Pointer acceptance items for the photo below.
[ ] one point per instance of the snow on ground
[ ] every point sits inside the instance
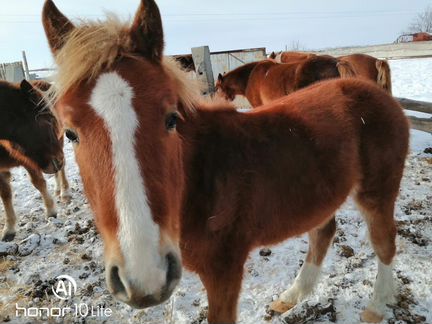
(70, 245)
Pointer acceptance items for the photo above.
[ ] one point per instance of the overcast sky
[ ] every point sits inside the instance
(222, 24)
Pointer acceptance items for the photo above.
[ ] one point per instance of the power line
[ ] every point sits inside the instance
(248, 17)
(242, 13)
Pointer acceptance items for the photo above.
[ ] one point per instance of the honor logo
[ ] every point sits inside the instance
(64, 288)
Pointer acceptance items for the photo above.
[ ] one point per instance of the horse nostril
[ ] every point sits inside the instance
(116, 283)
(174, 268)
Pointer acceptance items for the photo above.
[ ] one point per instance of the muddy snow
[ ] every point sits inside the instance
(70, 245)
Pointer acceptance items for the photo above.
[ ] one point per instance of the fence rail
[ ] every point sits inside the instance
(422, 124)
(415, 105)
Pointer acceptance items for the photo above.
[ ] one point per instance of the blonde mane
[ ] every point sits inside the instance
(93, 46)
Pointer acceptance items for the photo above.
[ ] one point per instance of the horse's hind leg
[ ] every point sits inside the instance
(378, 214)
(319, 241)
(62, 186)
(39, 182)
(8, 233)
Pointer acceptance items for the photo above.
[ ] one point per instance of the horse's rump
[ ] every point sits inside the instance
(371, 68)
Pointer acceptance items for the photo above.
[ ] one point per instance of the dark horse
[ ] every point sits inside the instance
(264, 81)
(163, 171)
(28, 137)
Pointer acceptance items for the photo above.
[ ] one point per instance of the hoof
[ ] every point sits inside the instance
(280, 307)
(66, 198)
(52, 214)
(371, 317)
(7, 237)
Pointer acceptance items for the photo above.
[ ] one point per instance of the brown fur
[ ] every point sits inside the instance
(292, 57)
(228, 154)
(262, 82)
(227, 182)
(359, 65)
(370, 68)
(345, 69)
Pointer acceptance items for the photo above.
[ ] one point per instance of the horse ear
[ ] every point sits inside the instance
(272, 55)
(147, 32)
(26, 87)
(30, 92)
(56, 26)
(220, 77)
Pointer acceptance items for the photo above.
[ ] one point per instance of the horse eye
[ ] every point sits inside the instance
(72, 136)
(171, 121)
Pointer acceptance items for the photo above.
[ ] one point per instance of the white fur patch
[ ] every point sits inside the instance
(139, 236)
(384, 289)
(303, 284)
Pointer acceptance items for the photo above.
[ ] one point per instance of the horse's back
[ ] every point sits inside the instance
(294, 57)
(352, 106)
(337, 92)
(353, 109)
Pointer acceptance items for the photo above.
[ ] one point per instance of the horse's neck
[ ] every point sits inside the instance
(239, 78)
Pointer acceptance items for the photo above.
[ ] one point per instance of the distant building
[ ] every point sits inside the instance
(415, 37)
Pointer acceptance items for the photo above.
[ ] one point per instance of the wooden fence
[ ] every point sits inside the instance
(12, 72)
(419, 123)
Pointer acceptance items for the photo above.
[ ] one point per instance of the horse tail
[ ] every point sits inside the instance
(384, 75)
(345, 69)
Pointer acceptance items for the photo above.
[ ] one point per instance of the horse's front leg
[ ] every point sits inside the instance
(222, 293)
(8, 233)
(222, 279)
(39, 183)
(62, 186)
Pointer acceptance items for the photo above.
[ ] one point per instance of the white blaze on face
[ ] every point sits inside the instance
(138, 234)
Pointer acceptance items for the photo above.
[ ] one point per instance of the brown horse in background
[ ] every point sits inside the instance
(62, 184)
(363, 65)
(263, 81)
(370, 68)
(28, 138)
(290, 57)
(162, 170)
